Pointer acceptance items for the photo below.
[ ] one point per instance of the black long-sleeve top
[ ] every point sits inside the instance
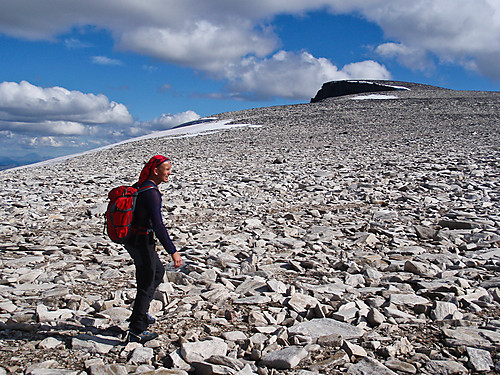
(147, 215)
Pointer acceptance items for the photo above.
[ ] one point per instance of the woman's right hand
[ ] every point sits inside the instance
(177, 259)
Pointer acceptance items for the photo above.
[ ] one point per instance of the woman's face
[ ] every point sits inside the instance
(163, 171)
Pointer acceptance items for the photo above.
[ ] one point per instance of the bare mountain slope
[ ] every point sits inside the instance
(345, 236)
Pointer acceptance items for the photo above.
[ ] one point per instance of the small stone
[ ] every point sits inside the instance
(102, 369)
(495, 293)
(233, 363)
(353, 349)
(44, 315)
(300, 303)
(407, 299)
(178, 362)
(375, 317)
(479, 359)
(419, 268)
(445, 310)
(8, 306)
(277, 286)
(397, 365)
(201, 350)
(253, 300)
(49, 367)
(50, 343)
(206, 368)
(398, 314)
(141, 355)
(425, 233)
(257, 318)
(466, 336)
(94, 344)
(286, 358)
(234, 336)
(456, 224)
(316, 328)
(331, 340)
(346, 315)
(369, 366)
(400, 347)
(247, 370)
(440, 367)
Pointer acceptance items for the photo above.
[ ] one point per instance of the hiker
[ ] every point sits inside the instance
(147, 223)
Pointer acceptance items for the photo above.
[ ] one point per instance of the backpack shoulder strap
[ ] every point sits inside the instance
(142, 189)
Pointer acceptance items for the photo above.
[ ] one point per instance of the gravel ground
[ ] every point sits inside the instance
(382, 215)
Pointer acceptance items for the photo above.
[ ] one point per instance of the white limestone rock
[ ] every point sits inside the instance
(199, 351)
(316, 328)
(286, 358)
(141, 355)
(479, 359)
(369, 366)
(445, 310)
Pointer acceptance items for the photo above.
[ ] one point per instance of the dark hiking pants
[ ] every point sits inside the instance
(149, 272)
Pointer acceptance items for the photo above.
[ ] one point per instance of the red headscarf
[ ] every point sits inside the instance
(154, 162)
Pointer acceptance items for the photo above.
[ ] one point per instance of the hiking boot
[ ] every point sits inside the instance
(142, 337)
(151, 319)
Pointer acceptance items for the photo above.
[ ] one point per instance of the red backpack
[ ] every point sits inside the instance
(120, 209)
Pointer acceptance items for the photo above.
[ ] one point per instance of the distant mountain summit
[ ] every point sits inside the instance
(348, 87)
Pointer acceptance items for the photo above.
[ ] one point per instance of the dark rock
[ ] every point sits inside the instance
(341, 88)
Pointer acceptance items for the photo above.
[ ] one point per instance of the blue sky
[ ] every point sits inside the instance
(79, 75)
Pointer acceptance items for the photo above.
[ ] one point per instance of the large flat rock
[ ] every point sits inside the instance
(317, 328)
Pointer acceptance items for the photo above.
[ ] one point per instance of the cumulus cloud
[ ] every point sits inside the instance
(414, 58)
(294, 75)
(73, 43)
(213, 36)
(45, 141)
(103, 60)
(56, 118)
(25, 103)
(45, 127)
(453, 31)
(167, 121)
(200, 44)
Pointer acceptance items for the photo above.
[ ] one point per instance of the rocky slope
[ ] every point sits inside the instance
(348, 235)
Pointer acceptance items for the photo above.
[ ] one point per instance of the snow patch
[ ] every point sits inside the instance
(210, 126)
(374, 96)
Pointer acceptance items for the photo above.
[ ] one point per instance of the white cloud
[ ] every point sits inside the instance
(462, 32)
(54, 117)
(150, 68)
(24, 102)
(165, 87)
(414, 58)
(167, 121)
(73, 43)
(45, 141)
(200, 44)
(294, 75)
(103, 60)
(211, 35)
(45, 127)
(366, 70)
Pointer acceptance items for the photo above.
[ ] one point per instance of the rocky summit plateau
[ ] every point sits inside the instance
(358, 234)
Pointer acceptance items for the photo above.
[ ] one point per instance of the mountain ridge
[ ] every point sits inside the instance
(416, 91)
(331, 238)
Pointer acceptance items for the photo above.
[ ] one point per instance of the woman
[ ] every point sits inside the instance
(147, 223)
